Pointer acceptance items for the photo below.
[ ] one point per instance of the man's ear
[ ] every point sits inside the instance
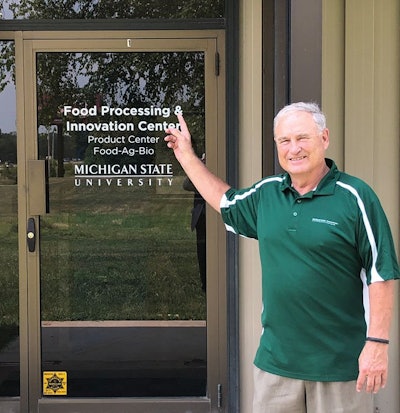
(325, 137)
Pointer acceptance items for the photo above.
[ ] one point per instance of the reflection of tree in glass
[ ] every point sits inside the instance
(105, 9)
(118, 79)
(7, 64)
(121, 80)
(114, 79)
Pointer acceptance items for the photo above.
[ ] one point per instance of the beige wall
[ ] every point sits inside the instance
(333, 76)
(361, 97)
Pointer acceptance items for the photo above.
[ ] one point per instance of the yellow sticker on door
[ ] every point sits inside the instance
(55, 383)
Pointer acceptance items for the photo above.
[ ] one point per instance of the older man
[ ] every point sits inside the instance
(328, 270)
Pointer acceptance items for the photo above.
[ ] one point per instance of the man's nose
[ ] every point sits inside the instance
(294, 146)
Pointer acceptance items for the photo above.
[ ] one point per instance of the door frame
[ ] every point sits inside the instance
(27, 44)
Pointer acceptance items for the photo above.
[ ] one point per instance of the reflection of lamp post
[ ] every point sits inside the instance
(50, 148)
(52, 144)
(60, 147)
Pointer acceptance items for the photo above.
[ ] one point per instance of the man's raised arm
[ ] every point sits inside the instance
(210, 187)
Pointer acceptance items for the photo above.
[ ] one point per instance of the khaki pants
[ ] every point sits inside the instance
(276, 394)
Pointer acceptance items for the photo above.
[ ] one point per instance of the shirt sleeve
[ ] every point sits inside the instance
(239, 211)
(375, 241)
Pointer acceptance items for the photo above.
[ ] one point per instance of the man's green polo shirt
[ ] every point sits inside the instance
(319, 252)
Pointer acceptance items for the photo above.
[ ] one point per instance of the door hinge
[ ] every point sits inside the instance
(217, 64)
(219, 390)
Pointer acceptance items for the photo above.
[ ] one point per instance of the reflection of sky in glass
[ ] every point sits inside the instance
(4, 10)
(8, 109)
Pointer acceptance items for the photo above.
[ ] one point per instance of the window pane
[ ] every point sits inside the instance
(121, 296)
(9, 310)
(115, 9)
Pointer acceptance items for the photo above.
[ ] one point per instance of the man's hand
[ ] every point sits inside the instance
(210, 187)
(373, 367)
(180, 140)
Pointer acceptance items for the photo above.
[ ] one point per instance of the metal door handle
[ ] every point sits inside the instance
(31, 235)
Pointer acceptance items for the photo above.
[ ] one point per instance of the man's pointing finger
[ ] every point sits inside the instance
(184, 128)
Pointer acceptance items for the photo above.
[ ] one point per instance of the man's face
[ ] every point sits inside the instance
(301, 146)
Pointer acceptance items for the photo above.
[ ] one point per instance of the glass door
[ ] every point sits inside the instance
(123, 261)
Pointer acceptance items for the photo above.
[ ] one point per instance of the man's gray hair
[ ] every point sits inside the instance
(310, 107)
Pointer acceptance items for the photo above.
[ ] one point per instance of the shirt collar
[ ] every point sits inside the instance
(325, 187)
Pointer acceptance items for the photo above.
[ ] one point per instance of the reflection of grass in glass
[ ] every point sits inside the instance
(8, 264)
(9, 282)
(120, 255)
(107, 254)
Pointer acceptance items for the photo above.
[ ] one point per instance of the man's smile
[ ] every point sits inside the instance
(298, 158)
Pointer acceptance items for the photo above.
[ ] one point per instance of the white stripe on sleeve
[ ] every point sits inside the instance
(374, 273)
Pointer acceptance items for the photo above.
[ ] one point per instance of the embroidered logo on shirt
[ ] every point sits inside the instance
(324, 221)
